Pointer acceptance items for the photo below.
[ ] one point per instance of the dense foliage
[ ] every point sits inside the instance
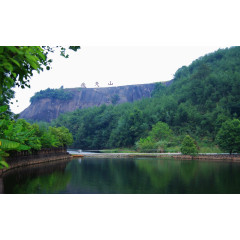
(60, 94)
(158, 140)
(17, 65)
(228, 136)
(201, 97)
(19, 135)
(115, 98)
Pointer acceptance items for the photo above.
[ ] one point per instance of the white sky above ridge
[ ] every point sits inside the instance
(120, 65)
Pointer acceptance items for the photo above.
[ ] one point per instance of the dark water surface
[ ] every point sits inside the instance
(124, 176)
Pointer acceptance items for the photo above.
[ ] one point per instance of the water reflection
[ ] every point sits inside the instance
(43, 178)
(126, 176)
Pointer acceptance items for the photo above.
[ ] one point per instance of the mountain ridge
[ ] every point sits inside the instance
(49, 104)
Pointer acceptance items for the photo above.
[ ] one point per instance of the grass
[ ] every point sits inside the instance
(209, 149)
(118, 150)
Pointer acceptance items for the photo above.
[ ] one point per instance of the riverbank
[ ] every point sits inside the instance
(25, 158)
(123, 155)
(212, 156)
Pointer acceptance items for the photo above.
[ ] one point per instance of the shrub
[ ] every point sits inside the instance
(189, 146)
(146, 145)
(60, 94)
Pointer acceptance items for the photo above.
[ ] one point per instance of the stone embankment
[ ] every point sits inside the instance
(25, 158)
(126, 155)
(207, 157)
(212, 157)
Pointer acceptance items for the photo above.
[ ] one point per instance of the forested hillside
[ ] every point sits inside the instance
(201, 97)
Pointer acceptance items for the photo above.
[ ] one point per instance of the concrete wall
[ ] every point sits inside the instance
(211, 157)
(25, 158)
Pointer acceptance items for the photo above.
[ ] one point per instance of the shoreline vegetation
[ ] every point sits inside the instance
(202, 149)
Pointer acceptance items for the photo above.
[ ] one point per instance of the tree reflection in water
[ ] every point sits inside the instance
(126, 176)
(43, 178)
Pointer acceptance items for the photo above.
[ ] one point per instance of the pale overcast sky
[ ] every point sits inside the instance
(120, 65)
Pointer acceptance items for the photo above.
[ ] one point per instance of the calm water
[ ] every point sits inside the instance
(124, 176)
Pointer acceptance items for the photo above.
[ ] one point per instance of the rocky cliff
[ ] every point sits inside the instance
(47, 109)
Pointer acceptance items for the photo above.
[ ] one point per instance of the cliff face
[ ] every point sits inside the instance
(47, 109)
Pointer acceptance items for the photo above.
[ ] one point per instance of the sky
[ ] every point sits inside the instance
(122, 65)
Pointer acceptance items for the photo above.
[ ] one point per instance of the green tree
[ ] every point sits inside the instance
(158, 140)
(114, 99)
(17, 65)
(189, 146)
(228, 136)
(49, 140)
(161, 131)
(23, 133)
(60, 94)
(64, 136)
(158, 89)
(135, 122)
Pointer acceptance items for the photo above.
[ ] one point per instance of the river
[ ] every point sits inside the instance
(125, 176)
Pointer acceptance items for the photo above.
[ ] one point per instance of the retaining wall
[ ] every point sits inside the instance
(214, 157)
(25, 158)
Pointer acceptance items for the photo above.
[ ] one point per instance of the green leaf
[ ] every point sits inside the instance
(3, 108)
(9, 82)
(8, 66)
(3, 163)
(16, 62)
(12, 49)
(9, 145)
(23, 147)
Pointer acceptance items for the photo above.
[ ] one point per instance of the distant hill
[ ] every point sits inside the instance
(197, 101)
(46, 105)
(200, 98)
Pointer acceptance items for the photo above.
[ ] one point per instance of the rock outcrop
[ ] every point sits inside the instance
(47, 109)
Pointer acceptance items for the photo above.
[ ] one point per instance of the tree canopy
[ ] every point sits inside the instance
(189, 146)
(59, 94)
(228, 136)
(17, 65)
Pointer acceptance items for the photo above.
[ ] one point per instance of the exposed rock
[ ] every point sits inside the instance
(47, 109)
